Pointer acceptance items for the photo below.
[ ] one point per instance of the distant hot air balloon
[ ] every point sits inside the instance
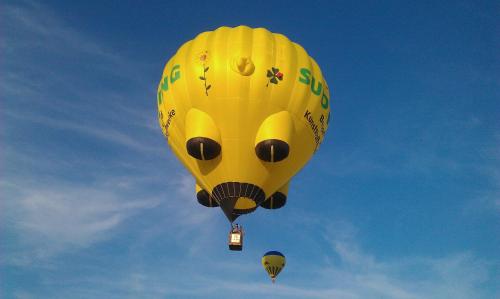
(244, 110)
(273, 262)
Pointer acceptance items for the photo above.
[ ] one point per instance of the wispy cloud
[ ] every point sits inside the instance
(486, 200)
(60, 70)
(103, 132)
(348, 272)
(353, 273)
(52, 219)
(410, 146)
(458, 275)
(56, 70)
(183, 220)
(59, 217)
(46, 210)
(142, 207)
(30, 25)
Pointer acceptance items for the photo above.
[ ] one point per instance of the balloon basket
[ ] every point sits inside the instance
(236, 238)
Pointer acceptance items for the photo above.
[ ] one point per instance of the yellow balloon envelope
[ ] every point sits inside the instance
(273, 262)
(244, 110)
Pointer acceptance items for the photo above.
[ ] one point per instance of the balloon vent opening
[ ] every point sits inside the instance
(237, 198)
(275, 201)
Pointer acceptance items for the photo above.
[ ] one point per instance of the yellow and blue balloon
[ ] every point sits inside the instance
(273, 262)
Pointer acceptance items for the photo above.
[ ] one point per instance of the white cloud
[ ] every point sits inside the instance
(102, 132)
(52, 64)
(74, 216)
(185, 222)
(46, 213)
(48, 220)
(47, 63)
(57, 217)
(362, 275)
(23, 295)
(487, 199)
(348, 273)
(29, 24)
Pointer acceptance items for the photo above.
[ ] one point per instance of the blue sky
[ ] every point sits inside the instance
(401, 201)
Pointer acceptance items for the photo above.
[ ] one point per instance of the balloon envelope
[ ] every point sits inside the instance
(273, 262)
(244, 110)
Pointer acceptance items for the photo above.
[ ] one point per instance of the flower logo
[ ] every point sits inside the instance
(204, 56)
(203, 77)
(274, 75)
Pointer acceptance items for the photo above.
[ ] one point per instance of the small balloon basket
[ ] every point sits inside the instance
(236, 238)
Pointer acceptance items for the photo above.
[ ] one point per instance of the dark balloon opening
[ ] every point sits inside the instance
(275, 201)
(203, 148)
(206, 200)
(272, 150)
(227, 194)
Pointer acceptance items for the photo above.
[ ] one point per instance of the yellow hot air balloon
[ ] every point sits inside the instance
(244, 110)
(273, 262)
